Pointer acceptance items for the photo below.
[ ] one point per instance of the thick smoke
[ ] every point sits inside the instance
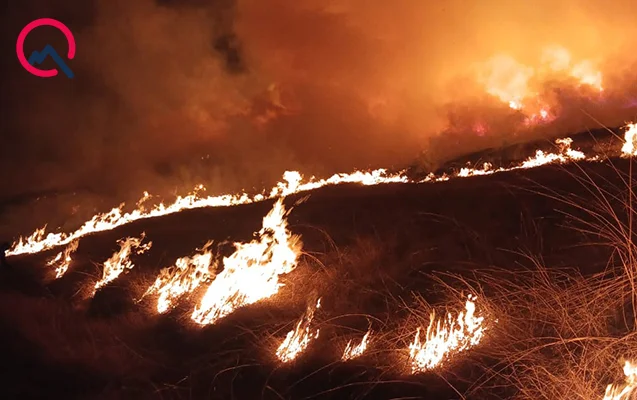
(398, 75)
(168, 94)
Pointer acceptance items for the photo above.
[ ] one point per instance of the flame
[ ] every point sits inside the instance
(252, 272)
(565, 154)
(446, 337)
(624, 391)
(352, 352)
(630, 137)
(62, 261)
(183, 278)
(292, 183)
(39, 240)
(297, 340)
(516, 84)
(507, 79)
(120, 260)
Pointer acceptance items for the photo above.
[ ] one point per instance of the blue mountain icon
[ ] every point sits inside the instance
(38, 57)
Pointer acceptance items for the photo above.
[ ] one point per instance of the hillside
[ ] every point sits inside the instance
(366, 251)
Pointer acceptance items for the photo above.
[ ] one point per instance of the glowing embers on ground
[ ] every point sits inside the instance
(183, 278)
(62, 261)
(252, 272)
(352, 351)
(446, 337)
(120, 261)
(297, 340)
(626, 390)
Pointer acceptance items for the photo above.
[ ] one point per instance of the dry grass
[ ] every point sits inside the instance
(561, 333)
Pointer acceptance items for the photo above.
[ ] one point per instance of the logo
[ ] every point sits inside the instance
(38, 57)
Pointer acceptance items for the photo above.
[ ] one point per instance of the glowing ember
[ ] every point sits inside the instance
(62, 261)
(445, 337)
(183, 278)
(120, 261)
(630, 137)
(299, 338)
(627, 389)
(352, 352)
(542, 116)
(252, 272)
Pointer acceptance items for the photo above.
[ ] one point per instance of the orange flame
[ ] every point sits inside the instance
(62, 261)
(352, 351)
(120, 260)
(292, 182)
(446, 337)
(565, 154)
(625, 390)
(513, 82)
(39, 240)
(183, 278)
(252, 272)
(630, 138)
(297, 340)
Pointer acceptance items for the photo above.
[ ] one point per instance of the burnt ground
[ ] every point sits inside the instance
(367, 251)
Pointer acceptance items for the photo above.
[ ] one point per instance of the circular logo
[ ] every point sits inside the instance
(39, 56)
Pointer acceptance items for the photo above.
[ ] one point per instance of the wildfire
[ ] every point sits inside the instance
(559, 59)
(252, 272)
(352, 351)
(565, 154)
(292, 182)
(445, 337)
(183, 278)
(39, 240)
(625, 390)
(507, 79)
(120, 260)
(630, 138)
(62, 261)
(297, 340)
(513, 82)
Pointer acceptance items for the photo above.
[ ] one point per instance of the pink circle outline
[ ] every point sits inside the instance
(43, 73)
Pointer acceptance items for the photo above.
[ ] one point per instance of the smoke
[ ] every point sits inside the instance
(390, 79)
(168, 94)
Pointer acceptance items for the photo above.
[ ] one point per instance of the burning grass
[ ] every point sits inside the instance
(562, 332)
(540, 332)
(445, 337)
